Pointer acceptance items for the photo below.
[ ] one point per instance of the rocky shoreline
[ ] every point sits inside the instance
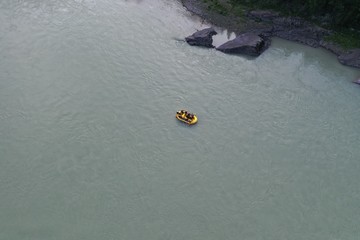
(272, 24)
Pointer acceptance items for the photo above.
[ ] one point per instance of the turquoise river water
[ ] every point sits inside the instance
(90, 148)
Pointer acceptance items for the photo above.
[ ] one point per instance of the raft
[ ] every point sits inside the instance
(182, 116)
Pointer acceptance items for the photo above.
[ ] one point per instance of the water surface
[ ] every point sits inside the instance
(90, 147)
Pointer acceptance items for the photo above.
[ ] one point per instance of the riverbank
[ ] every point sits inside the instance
(271, 24)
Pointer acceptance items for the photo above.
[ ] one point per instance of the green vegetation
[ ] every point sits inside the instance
(346, 38)
(343, 16)
(216, 6)
(336, 13)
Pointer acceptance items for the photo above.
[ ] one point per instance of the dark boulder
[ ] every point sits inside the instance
(202, 38)
(247, 43)
(351, 59)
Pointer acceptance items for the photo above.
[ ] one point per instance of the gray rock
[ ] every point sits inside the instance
(247, 43)
(351, 59)
(202, 38)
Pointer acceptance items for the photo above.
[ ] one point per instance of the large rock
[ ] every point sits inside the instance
(351, 59)
(202, 38)
(247, 43)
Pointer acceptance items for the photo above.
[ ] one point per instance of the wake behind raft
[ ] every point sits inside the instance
(186, 117)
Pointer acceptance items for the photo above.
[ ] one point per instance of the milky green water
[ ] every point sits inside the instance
(90, 147)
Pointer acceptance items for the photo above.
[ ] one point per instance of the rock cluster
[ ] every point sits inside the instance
(264, 24)
(247, 43)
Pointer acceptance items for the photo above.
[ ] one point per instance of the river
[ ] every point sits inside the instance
(90, 147)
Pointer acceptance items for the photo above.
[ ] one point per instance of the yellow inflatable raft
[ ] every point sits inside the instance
(186, 117)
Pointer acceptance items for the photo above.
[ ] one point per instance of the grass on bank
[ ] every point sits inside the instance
(346, 38)
(216, 6)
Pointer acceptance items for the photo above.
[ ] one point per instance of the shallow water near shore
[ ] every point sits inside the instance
(90, 147)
